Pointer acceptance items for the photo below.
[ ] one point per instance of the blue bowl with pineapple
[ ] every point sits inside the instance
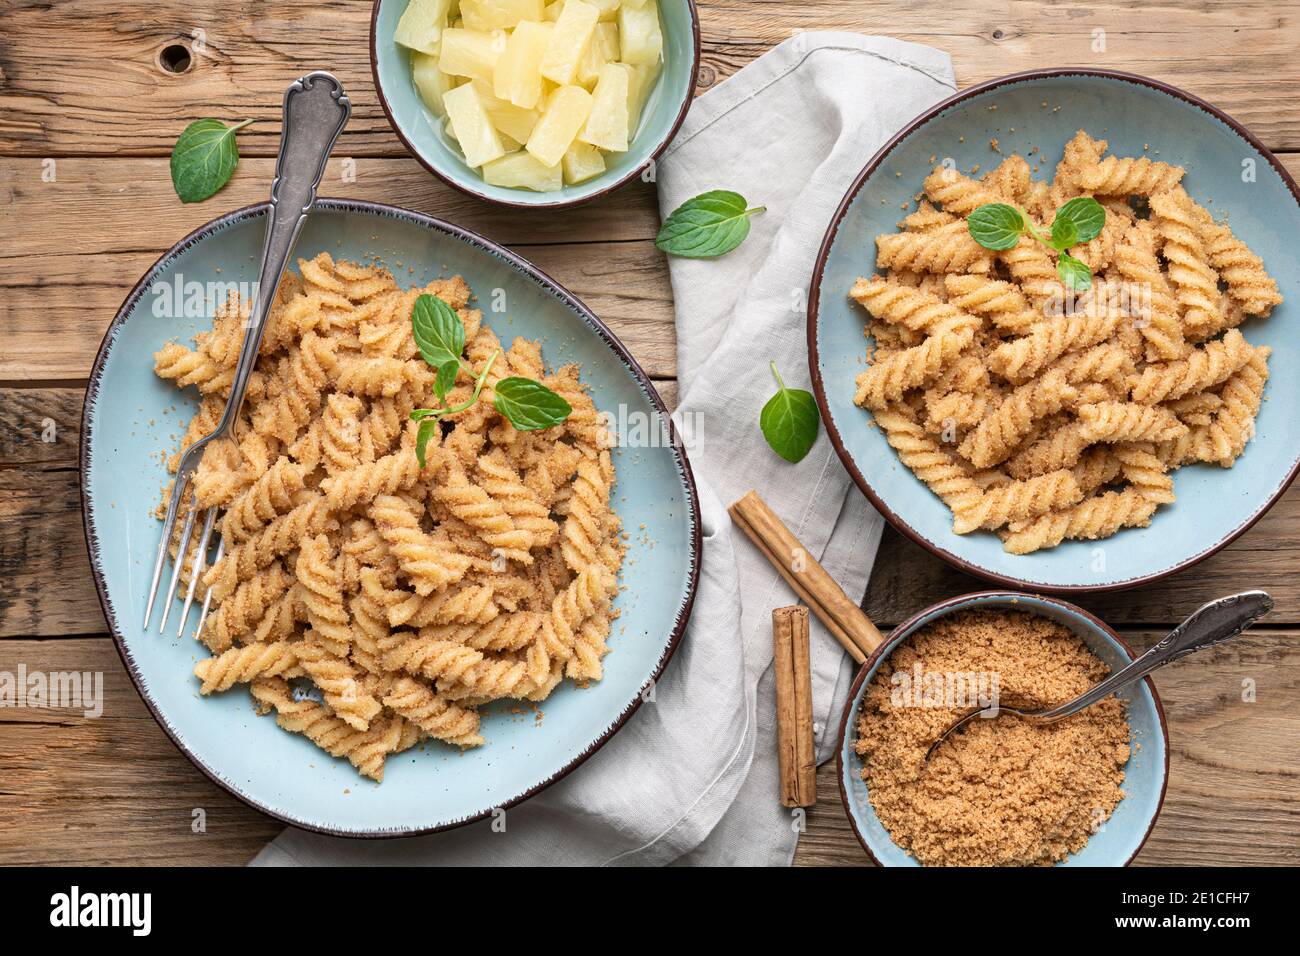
(530, 103)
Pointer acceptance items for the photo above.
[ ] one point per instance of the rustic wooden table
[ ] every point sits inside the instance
(90, 112)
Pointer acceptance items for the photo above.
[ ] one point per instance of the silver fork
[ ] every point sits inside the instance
(315, 111)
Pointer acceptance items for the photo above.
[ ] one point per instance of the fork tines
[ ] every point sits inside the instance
(199, 563)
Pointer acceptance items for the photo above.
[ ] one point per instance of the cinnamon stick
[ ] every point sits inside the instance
(843, 618)
(794, 721)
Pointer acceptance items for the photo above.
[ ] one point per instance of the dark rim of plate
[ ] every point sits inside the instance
(908, 627)
(558, 204)
(530, 271)
(814, 300)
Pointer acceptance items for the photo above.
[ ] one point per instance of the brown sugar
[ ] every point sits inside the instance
(1002, 791)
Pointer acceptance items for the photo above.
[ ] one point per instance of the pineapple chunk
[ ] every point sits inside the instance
(592, 60)
(474, 130)
(607, 39)
(518, 76)
(566, 112)
(489, 15)
(607, 126)
(552, 11)
(640, 39)
(641, 80)
(572, 34)
(522, 170)
(581, 162)
(469, 53)
(510, 120)
(421, 25)
(514, 121)
(430, 82)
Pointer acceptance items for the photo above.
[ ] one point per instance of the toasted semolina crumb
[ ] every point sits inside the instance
(1004, 791)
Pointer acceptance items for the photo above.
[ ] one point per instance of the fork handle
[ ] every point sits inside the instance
(1210, 624)
(315, 111)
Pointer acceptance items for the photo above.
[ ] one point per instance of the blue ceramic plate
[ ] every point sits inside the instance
(423, 134)
(1145, 776)
(130, 417)
(1228, 170)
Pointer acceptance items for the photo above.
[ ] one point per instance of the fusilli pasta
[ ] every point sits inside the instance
(1033, 410)
(397, 599)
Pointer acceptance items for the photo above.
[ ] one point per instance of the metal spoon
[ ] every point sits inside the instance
(1211, 624)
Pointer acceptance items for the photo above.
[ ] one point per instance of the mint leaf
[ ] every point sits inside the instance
(446, 378)
(790, 421)
(996, 225)
(1075, 274)
(439, 333)
(708, 226)
(428, 428)
(204, 158)
(1085, 214)
(1064, 234)
(529, 405)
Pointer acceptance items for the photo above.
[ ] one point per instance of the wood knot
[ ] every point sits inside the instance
(175, 58)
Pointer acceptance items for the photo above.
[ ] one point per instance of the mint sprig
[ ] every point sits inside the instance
(440, 337)
(790, 420)
(999, 226)
(420, 414)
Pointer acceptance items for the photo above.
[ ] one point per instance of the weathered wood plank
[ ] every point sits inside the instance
(1234, 781)
(77, 246)
(1236, 55)
(1215, 51)
(39, 426)
(46, 585)
(113, 789)
(828, 839)
(103, 204)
